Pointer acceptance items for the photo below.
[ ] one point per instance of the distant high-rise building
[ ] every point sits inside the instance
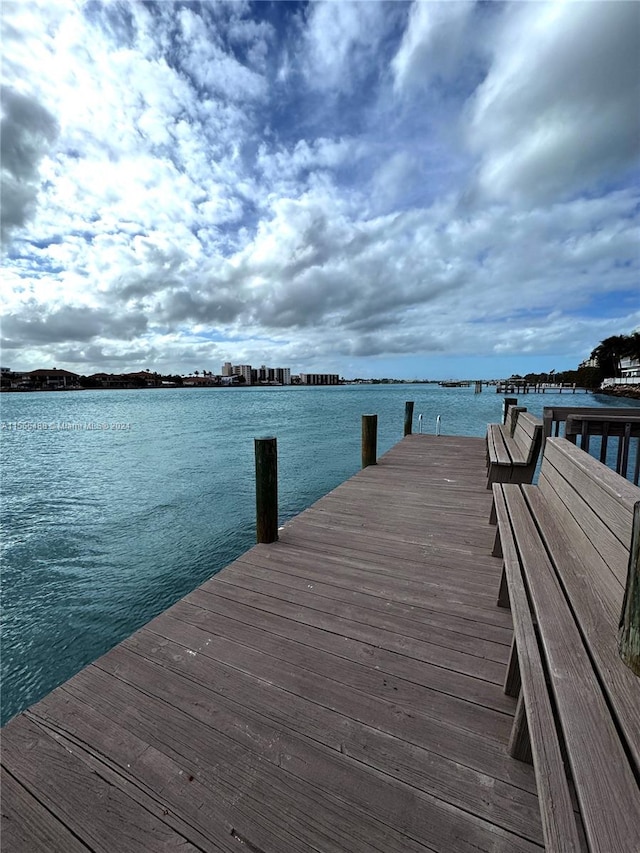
(271, 375)
(283, 375)
(243, 370)
(319, 379)
(258, 375)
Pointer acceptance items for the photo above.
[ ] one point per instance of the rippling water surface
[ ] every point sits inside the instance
(103, 528)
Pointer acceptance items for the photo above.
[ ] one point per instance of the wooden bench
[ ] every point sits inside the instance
(512, 458)
(566, 544)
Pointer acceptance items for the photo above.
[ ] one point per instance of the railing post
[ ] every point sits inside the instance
(408, 418)
(266, 450)
(369, 440)
(629, 630)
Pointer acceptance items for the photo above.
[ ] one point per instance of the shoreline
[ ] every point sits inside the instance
(631, 392)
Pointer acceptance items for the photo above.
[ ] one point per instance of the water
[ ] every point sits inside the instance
(103, 528)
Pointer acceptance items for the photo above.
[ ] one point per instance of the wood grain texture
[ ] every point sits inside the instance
(559, 495)
(512, 456)
(606, 787)
(527, 437)
(610, 495)
(512, 417)
(338, 691)
(553, 416)
(519, 740)
(591, 566)
(629, 626)
(99, 814)
(27, 827)
(538, 737)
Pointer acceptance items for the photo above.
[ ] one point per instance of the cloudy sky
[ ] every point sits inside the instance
(425, 189)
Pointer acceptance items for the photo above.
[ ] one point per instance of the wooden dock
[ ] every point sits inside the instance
(339, 691)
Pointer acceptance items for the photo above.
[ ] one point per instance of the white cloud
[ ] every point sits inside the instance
(211, 67)
(340, 39)
(27, 130)
(435, 43)
(558, 112)
(288, 171)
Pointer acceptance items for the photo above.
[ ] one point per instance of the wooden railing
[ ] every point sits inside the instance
(617, 423)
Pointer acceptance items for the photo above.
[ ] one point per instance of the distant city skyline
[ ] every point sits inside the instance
(369, 189)
(280, 375)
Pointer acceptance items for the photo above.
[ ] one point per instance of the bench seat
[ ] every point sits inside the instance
(566, 546)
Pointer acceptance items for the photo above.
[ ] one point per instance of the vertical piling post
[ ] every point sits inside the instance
(266, 450)
(369, 440)
(408, 418)
(629, 629)
(508, 401)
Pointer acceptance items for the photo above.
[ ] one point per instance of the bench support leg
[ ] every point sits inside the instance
(497, 545)
(519, 743)
(503, 592)
(522, 473)
(512, 680)
(498, 474)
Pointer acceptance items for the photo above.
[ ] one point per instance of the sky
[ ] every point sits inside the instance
(411, 190)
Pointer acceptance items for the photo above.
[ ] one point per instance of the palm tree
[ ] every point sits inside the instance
(633, 345)
(609, 352)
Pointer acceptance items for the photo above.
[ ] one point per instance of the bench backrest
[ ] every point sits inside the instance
(590, 508)
(528, 436)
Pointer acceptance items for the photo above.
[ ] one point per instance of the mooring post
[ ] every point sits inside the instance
(629, 630)
(266, 450)
(508, 401)
(369, 440)
(408, 418)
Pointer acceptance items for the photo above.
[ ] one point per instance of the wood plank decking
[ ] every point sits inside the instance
(339, 690)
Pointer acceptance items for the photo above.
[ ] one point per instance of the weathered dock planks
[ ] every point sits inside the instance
(338, 690)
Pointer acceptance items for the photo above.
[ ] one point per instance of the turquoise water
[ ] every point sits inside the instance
(130, 499)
